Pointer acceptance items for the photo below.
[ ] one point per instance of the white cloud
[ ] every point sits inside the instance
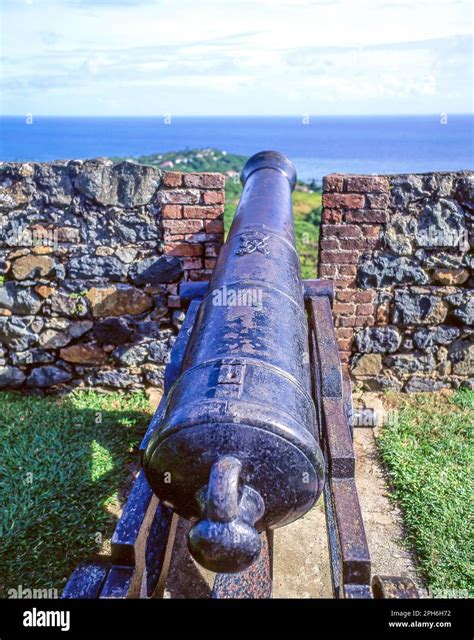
(255, 56)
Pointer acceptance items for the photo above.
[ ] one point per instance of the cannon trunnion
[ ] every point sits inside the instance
(237, 449)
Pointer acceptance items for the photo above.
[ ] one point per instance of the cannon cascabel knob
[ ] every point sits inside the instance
(225, 540)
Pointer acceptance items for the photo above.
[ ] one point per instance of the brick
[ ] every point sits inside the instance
(345, 295)
(364, 296)
(344, 283)
(173, 237)
(215, 226)
(343, 200)
(343, 332)
(341, 231)
(331, 216)
(344, 344)
(365, 309)
(348, 270)
(183, 249)
(339, 257)
(371, 232)
(213, 197)
(191, 180)
(367, 216)
(343, 308)
(204, 180)
(344, 321)
(328, 270)
(172, 179)
(182, 226)
(333, 182)
(206, 213)
(171, 211)
(212, 180)
(191, 263)
(329, 244)
(365, 184)
(378, 200)
(210, 263)
(361, 244)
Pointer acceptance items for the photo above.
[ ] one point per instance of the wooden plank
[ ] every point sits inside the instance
(326, 343)
(341, 456)
(158, 552)
(354, 550)
(329, 392)
(333, 540)
(118, 583)
(86, 581)
(130, 526)
(131, 534)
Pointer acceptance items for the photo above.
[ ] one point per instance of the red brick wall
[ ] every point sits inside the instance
(353, 210)
(193, 223)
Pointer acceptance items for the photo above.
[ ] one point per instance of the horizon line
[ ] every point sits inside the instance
(287, 115)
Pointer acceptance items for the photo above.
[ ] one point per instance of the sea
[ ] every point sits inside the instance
(317, 145)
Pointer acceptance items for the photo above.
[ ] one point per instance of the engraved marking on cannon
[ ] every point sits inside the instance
(230, 379)
(251, 242)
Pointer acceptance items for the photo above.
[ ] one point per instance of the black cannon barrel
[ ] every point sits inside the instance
(237, 452)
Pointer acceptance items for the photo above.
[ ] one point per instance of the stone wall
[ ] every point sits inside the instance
(91, 254)
(400, 251)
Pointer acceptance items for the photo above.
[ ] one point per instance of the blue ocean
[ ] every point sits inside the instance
(323, 145)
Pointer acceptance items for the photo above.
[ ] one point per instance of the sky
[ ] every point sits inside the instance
(238, 57)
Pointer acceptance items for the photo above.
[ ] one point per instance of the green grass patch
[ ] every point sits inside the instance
(64, 464)
(428, 452)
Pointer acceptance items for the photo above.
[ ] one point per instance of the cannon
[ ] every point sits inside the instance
(254, 424)
(237, 449)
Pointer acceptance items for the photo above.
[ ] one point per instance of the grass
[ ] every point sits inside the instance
(428, 453)
(64, 462)
(307, 216)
